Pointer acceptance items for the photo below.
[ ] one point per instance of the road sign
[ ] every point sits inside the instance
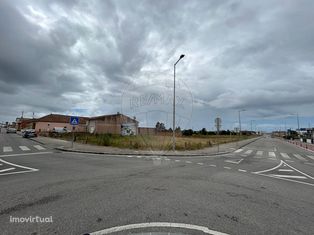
(74, 121)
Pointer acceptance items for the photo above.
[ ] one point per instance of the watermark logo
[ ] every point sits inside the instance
(151, 104)
(31, 219)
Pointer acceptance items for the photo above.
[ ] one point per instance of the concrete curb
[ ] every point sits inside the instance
(154, 154)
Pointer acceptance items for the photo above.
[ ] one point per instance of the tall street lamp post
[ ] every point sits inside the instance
(240, 120)
(174, 105)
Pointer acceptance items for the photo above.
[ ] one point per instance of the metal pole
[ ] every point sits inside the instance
(298, 121)
(240, 122)
(174, 105)
(174, 109)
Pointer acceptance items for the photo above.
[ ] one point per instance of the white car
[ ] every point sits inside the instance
(11, 130)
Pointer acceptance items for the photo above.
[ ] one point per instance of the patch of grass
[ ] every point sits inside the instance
(152, 142)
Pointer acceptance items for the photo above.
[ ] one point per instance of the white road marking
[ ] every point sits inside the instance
(212, 165)
(295, 181)
(177, 160)
(308, 163)
(199, 163)
(298, 156)
(39, 147)
(285, 170)
(284, 155)
(157, 224)
(241, 170)
(188, 162)
(26, 154)
(271, 169)
(291, 176)
(139, 156)
(249, 152)
(271, 154)
(7, 149)
(167, 159)
(260, 153)
(226, 167)
(24, 148)
(8, 169)
(312, 157)
(238, 150)
(28, 169)
(234, 162)
(300, 171)
(130, 156)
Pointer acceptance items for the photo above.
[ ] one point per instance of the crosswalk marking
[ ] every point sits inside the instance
(298, 156)
(271, 154)
(260, 153)
(238, 151)
(38, 147)
(284, 155)
(249, 152)
(24, 148)
(312, 157)
(7, 149)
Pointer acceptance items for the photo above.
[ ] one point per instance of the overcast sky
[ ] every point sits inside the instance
(95, 57)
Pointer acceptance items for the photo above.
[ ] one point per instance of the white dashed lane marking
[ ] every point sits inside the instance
(238, 151)
(312, 157)
(38, 147)
(249, 152)
(188, 162)
(7, 149)
(271, 154)
(284, 155)
(298, 156)
(24, 148)
(241, 170)
(259, 153)
(199, 163)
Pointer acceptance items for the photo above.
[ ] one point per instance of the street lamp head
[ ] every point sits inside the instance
(181, 56)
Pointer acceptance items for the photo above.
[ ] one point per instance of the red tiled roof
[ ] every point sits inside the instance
(60, 118)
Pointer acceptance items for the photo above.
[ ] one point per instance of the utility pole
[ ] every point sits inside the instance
(174, 105)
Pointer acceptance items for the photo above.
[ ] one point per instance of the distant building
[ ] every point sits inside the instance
(114, 124)
(51, 121)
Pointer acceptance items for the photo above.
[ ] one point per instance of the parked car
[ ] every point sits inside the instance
(60, 130)
(11, 130)
(29, 133)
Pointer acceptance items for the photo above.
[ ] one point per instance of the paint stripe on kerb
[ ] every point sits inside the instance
(160, 225)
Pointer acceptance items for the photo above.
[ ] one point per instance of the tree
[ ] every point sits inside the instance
(160, 126)
(203, 131)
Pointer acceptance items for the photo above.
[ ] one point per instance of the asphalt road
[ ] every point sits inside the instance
(265, 188)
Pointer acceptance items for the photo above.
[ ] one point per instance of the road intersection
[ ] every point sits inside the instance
(265, 187)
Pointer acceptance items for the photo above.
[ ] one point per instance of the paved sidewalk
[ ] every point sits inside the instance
(64, 145)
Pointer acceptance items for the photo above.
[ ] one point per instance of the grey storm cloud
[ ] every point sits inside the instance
(80, 57)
